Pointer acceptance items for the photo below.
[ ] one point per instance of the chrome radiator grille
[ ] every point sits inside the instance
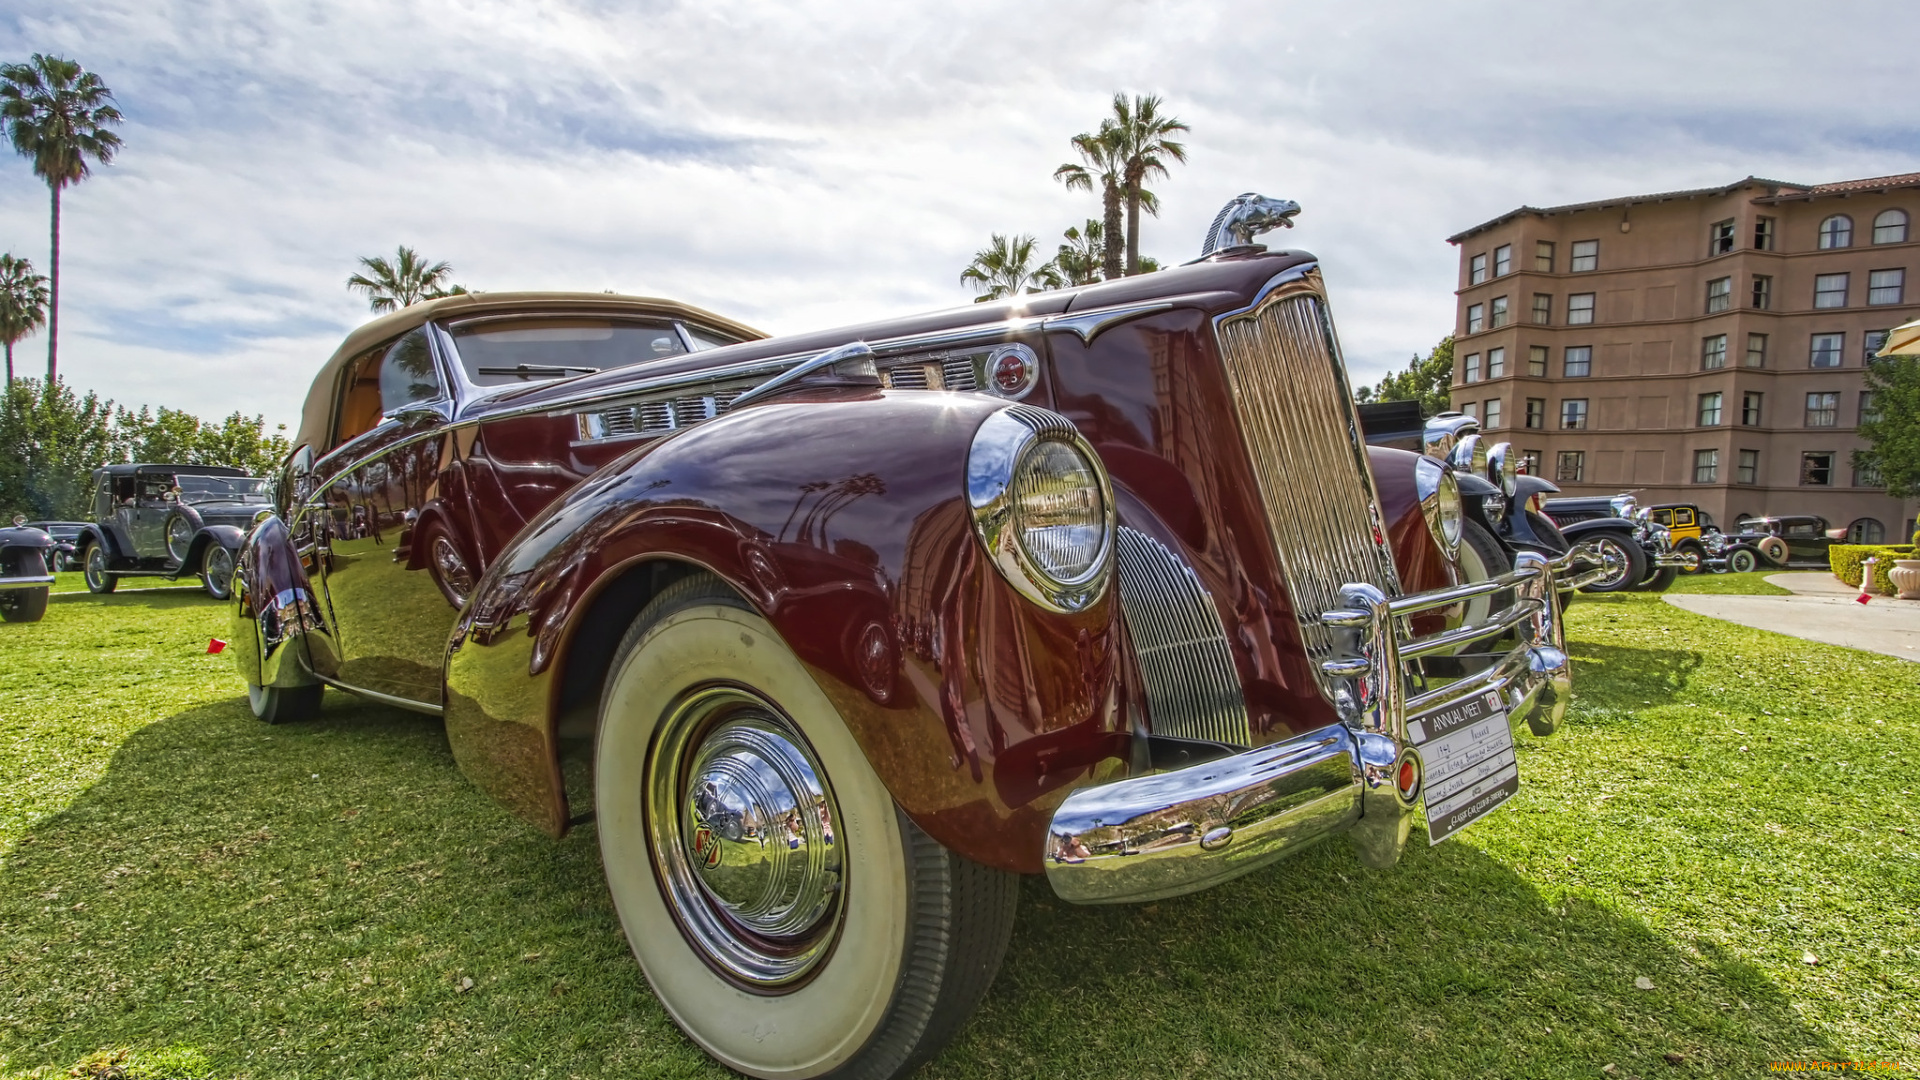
(1297, 421)
(1192, 689)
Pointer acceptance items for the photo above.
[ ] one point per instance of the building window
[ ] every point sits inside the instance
(1537, 361)
(1836, 232)
(1830, 290)
(1713, 352)
(1762, 292)
(1720, 238)
(1571, 466)
(1866, 476)
(1875, 340)
(1823, 409)
(1756, 350)
(1825, 350)
(1530, 460)
(1890, 227)
(1573, 414)
(1869, 413)
(1496, 363)
(1490, 416)
(1503, 260)
(1536, 413)
(1542, 308)
(1586, 256)
(1816, 468)
(1471, 408)
(1886, 286)
(1719, 294)
(1750, 408)
(1473, 368)
(1763, 234)
(1543, 256)
(1498, 312)
(1710, 409)
(1748, 469)
(1866, 531)
(1578, 363)
(1476, 269)
(1706, 466)
(1475, 318)
(1580, 309)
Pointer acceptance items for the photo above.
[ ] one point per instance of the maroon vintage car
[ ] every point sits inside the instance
(857, 626)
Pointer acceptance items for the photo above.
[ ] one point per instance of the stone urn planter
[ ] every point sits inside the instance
(1905, 576)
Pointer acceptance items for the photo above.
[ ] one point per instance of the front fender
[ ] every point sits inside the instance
(275, 614)
(1421, 563)
(841, 517)
(1581, 529)
(226, 536)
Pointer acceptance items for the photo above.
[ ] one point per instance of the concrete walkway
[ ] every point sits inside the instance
(1822, 609)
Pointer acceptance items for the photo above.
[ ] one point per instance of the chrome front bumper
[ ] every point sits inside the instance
(1178, 832)
(26, 581)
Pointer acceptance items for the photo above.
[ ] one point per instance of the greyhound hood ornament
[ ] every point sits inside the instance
(1245, 218)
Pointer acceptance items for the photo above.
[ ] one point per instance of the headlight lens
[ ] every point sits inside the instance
(1059, 514)
(1042, 507)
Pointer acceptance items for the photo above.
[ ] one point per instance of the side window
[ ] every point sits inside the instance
(384, 379)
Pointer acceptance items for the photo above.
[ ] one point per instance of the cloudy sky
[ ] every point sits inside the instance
(808, 164)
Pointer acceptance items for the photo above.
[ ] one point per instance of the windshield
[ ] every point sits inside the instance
(205, 489)
(521, 348)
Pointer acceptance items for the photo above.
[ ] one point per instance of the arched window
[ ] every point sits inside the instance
(1890, 227)
(1836, 232)
(1866, 531)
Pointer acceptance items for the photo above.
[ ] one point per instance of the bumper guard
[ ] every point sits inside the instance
(1170, 833)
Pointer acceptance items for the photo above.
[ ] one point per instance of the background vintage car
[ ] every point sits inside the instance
(26, 572)
(169, 521)
(858, 625)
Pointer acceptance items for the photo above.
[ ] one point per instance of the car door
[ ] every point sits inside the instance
(391, 622)
(1684, 526)
(152, 501)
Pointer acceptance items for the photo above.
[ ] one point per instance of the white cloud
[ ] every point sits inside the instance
(808, 164)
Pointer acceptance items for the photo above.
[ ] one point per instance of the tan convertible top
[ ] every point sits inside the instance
(316, 417)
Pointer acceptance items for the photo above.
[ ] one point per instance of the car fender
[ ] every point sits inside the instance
(276, 616)
(1579, 530)
(1416, 556)
(226, 536)
(95, 533)
(19, 537)
(841, 517)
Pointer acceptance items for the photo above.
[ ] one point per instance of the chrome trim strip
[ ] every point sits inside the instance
(384, 699)
(1193, 691)
(1091, 324)
(853, 352)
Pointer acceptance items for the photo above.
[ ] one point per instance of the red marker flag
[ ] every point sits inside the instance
(215, 645)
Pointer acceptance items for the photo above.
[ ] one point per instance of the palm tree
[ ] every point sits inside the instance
(1005, 268)
(1078, 261)
(1105, 166)
(405, 281)
(23, 303)
(1142, 133)
(57, 114)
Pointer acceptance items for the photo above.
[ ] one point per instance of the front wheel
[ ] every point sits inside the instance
(284, 704)
(96, 575)
(1743, 561)
(789, 916)
(216, 572)
(26, 605)
(1632, 563)
(1694, 555)
(1661, 580)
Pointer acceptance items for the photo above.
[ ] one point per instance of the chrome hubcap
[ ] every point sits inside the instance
(179, 533)
(453, 568)
(744, 832)
(1615, 558)
(96, 565)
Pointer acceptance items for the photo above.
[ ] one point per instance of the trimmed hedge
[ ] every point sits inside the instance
(1846, 559)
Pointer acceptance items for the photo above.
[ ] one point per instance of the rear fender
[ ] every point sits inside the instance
(97, 534)
(841, 517)
(226, 536)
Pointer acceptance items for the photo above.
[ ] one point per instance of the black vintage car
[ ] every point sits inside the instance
(1806, 538)
(168, 521)
(66, 542)
(25, 575)
(1617, 523)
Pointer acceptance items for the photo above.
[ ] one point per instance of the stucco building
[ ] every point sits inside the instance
(1701, 346)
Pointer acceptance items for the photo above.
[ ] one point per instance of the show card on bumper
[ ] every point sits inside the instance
(1467, 750)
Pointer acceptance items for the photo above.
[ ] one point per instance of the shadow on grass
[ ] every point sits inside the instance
(310, 899)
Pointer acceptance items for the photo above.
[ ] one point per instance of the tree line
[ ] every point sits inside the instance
(52, 438)
(1131, 145)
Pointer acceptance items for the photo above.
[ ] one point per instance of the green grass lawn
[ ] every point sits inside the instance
(1728, 814)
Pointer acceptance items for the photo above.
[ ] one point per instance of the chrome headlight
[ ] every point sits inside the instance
(1042, 506)
(1500, 470)
(1439, 495)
